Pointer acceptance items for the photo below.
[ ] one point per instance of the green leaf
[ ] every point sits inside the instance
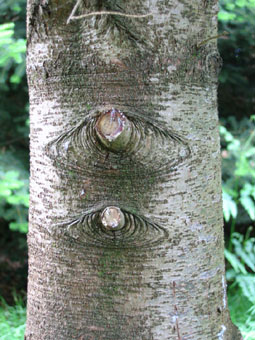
(243, 167)
(21, 227)
(235, 262)
(229, 206)
(250, 152)
(226, 16)
(241, 312)
(249, 206)
(4, 192)
(19, 199)
(247, 284)
(12, 53)
(244, 249)
(230, 6)
(14, 184)
(241, 3)
(226, 134)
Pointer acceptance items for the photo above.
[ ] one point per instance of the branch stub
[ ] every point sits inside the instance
(112, 218)
(113, 130)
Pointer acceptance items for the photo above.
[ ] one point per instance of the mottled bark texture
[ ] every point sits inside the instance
(125, 238)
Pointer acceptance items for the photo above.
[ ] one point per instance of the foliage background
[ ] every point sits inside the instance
(237, 129)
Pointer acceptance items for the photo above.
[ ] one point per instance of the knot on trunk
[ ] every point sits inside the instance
(113, 143)
(114, 130)
(112, 218)
(113, 227)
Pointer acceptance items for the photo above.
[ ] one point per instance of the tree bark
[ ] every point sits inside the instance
(125, 237)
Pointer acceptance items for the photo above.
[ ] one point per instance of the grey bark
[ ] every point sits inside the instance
(125, 241)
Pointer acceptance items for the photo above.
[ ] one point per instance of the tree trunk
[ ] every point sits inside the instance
(125, 238)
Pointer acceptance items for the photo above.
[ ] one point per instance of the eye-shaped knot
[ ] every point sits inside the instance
(113, 227)
(113, 143)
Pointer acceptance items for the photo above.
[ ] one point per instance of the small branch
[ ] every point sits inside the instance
(72, 17)
(73, 11)
(111, 13)
(224, 34)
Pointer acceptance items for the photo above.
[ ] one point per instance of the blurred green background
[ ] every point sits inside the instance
(237, 130)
